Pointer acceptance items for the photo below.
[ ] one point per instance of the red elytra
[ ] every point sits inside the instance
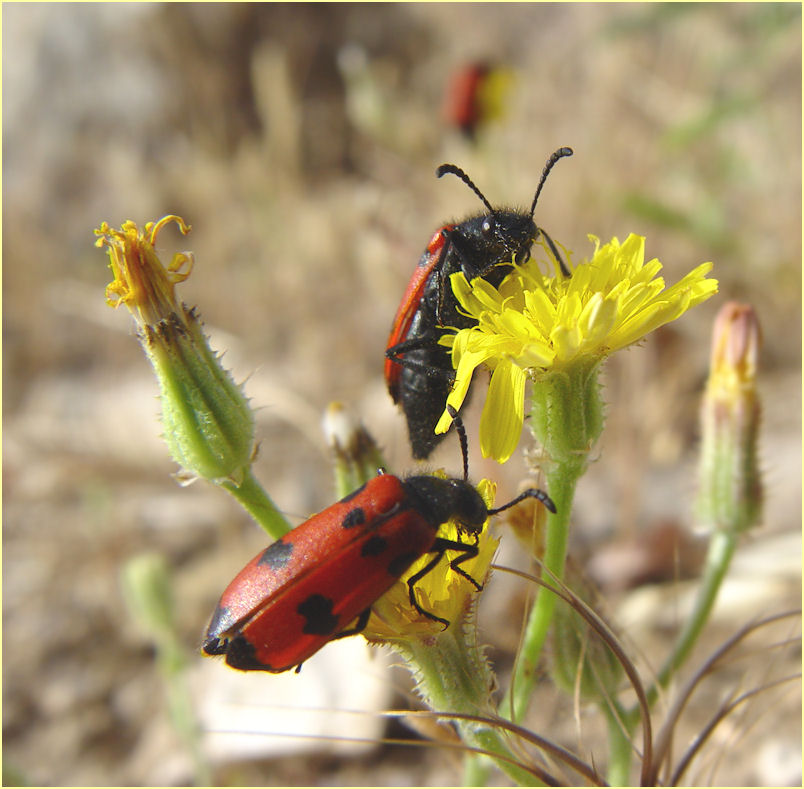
(410, 304)
(307, 588)
(462, 106)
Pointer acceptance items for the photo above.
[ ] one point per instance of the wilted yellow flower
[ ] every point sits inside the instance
(141, 281)
(209, 427)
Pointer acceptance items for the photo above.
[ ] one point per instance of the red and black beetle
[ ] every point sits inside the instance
(418, 371)
(308, 587)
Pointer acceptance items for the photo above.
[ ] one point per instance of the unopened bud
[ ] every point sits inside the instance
(730, 484)
(357, 456)
(582, 659)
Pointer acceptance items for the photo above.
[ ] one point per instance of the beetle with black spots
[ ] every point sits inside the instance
(319, 581)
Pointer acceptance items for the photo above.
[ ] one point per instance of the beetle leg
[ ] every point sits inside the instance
(359, 627)
(396, 354)
(440, 547)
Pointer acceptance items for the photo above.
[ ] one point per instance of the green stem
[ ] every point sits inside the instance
(620, 748)
(453, 677)
(561, 485)
(148, 591)
(476, 770)
(491, 741)
(173, 664)
(567, 419)
(258, 504)
(718, 560)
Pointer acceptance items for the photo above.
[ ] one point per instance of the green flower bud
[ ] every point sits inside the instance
(357, 456)
(729, 479)
(209, 427)
(580, 657)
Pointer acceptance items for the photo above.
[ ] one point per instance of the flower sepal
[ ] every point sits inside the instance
(567, 413)
(208, 423)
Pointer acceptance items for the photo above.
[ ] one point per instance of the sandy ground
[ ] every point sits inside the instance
(301, 143)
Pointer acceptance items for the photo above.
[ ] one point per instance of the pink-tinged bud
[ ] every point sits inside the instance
(730, 485)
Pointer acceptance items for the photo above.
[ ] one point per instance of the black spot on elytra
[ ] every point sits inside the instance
(241, 654)
(215, 646)
(374, 546)
(317, 610)
(276, 556)
(400, 563)
(357, 491)
(353, 518)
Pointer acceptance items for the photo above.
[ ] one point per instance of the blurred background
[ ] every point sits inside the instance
(300, 142)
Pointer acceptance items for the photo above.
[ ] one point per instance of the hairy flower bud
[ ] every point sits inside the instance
(729, 479)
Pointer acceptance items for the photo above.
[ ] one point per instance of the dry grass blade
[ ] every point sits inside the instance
(605, 633)
(570, 759)
(664, 736)
(722, 713)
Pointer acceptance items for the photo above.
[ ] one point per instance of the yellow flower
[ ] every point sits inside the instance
(141, 281)
(209, 427)
(533, 324)
(442, 592)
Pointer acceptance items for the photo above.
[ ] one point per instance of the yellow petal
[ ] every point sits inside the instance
(504, 412)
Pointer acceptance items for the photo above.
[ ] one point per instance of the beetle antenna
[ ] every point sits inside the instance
(451, 168)
(556, 254)
(530, 493)
(559, 154)
(458, 422)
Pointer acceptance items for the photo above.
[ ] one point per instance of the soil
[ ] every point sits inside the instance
(300, 142)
